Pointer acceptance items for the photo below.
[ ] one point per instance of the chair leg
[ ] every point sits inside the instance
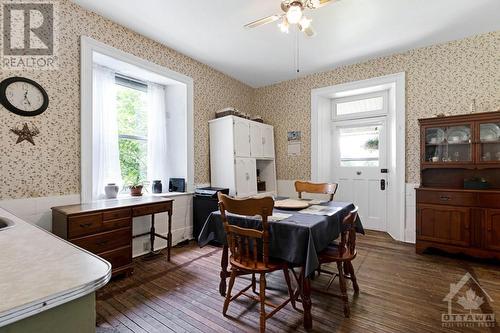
(262, 297)
(254, 284)
(353, 277)
(228, 294)
(289, 285)
(343, 289)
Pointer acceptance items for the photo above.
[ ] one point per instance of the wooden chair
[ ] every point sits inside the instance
(320, 188)
(245, 257)
(342, 254)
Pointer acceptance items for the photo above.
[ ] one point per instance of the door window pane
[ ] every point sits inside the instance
(360, 105)
(359, 146)
(490, 142)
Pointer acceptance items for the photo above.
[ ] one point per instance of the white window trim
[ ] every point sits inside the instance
(320, 134)
(375, 113)
(88, 47)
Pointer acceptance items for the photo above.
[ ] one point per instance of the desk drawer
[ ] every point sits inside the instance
(116, 214)
(119, 257)
(152, 209)
(447, 198)
(116, 224)
(84, 225)
(105, 241)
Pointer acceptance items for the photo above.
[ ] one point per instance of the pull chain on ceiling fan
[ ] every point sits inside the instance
(293, 14)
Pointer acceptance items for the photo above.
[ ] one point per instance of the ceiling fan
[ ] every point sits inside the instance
(293, 13)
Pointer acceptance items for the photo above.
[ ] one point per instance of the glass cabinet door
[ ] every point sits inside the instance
(489, 142)
(448, 144)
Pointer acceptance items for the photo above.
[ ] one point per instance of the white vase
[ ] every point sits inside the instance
(111, 191)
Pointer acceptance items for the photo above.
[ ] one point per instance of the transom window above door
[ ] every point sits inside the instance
(359, 106)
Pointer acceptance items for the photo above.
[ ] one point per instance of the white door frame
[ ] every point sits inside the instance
(321, 118)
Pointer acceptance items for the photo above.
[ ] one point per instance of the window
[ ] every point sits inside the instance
(131, 105)
(359, 146)
(360, 105)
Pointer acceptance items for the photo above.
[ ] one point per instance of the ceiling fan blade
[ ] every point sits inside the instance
(263, 21)
(321, 3)
(309, 31)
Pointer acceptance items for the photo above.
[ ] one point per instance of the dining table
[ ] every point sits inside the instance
(295, 237)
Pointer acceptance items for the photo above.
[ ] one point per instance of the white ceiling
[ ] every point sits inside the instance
(349, 31)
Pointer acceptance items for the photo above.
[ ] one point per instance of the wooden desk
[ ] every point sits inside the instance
(105, 227)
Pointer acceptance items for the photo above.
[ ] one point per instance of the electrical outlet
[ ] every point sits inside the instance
(145, 246)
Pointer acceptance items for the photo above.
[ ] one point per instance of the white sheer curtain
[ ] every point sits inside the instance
(106, 154)
(157, 135)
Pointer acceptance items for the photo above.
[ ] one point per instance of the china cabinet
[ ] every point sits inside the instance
(458, 202)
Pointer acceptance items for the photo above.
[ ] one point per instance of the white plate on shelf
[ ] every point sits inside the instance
(434, 136)
(490, 132)
(458, 134)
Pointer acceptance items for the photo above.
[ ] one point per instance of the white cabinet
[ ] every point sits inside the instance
(246, 177)
(238, 148)
(241, 130)
(267, 141)
(256, 147)
(261, 140)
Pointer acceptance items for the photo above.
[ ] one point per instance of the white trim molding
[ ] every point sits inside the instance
(88, 47)
(321, 117)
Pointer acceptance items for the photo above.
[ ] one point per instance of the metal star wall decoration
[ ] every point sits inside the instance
(25, 133)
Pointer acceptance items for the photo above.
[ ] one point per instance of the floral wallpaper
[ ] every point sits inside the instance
(442, 78)
(52, 166)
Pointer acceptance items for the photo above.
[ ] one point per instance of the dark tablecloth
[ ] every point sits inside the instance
(297, 239)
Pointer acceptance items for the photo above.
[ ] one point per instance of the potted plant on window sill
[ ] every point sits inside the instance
(135, 186)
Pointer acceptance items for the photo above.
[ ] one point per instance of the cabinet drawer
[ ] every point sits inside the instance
(447, 198)
(84, 225)
(116, 214)
(119, 257)
(489, 200)
(105, 241)
(116, 224)
(151, 209)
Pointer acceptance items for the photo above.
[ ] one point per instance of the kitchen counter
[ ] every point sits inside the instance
(40, 271)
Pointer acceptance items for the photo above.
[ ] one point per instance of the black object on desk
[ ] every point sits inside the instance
(204, 202)
(177, 185)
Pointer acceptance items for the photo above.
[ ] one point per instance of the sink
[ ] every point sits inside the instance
(5, 223)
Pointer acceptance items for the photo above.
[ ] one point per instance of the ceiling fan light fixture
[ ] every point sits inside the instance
(304, 23)
(284, 26)
(294, 13)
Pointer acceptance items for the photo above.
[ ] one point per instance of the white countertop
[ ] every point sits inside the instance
(39, 271)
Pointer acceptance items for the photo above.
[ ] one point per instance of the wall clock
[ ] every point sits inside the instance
(23, 96)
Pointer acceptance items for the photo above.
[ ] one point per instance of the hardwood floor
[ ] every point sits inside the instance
(400, 292)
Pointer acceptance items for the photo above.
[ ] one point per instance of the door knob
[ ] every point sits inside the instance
(358, 173)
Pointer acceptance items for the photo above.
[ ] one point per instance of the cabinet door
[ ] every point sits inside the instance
(489, 142)
(444, 224)
(241, 129)
(246, 177)
(492, 236)
(256, 139)
(268, 141)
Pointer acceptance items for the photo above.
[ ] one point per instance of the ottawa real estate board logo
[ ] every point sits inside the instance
(28, 35)
(468, 305)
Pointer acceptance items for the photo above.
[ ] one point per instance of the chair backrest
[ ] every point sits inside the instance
(320, 188)
(243, 242)
(348, 234)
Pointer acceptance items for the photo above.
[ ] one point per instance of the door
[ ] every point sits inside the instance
(256, 139)
(444, 224)
(493, 229)
(360, 168)
(241, 129)
(268, 141)
(489, 142)
(246, 177)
